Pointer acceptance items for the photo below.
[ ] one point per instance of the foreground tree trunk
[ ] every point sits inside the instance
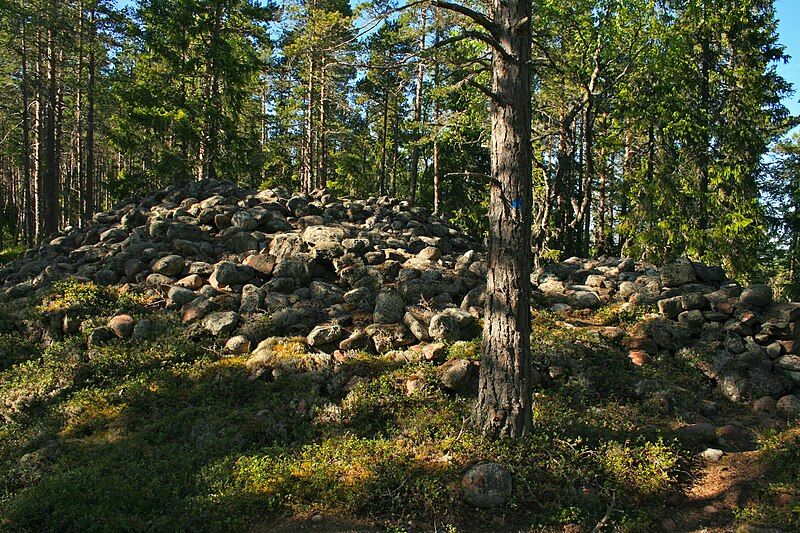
(504, 394)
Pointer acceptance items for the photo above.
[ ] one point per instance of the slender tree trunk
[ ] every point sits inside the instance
(504, 392)
(415, 153)
(89, 193)
(705, 110)
(384, 135)
(395, 147)
(322, 153)
(308, 149)
(50, 176)
(601, 207)
(437, 176)
(26, 211)
(80, 180)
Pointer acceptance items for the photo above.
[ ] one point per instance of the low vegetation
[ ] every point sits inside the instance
(168, 435)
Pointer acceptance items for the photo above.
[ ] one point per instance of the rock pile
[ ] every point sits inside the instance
(738, 336)
(377, 275)
(374, 275)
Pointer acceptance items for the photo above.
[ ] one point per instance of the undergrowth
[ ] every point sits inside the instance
(165, 434)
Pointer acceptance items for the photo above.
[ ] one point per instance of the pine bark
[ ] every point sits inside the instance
(415, 153)
(504, 394)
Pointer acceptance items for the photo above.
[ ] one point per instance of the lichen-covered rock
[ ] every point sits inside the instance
(390, 308)
(487, 485)
(322, 335)
(677, 273)
(170, 265)
(221, 323)
(122, 326)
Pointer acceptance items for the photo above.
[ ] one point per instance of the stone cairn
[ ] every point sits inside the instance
(376, 275)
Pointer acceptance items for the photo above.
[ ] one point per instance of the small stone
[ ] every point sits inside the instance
(678, 273)
(692, 319)
(143, 330)
(192, 282)
(487, 485)
(227, 274)
(388, 337)
(789, 406)
(413, 385)
(221, 322)
(321, 335)
(456, 375)
(197, 309)
(170, 265)
(712, 455)
(178, 297)
(264, 265)
(417, 326)
(430, 253)
(452, 325)
(434, 351)
(639, 358)
(122, 326)
(389, 308)
(765, 404)
(237, 345)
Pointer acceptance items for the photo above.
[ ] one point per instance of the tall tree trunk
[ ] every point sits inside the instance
(415, 153)
(384, 135)
(504, 392)
(26, 209)
(322, 153)
(437, 176)
(89, 193)
(395, 145)
(308, 148)
(705, 110)
(50, 176)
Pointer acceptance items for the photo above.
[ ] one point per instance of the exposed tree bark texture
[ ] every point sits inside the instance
(50, 175)
(89, 200)
(437, 115)
(415, 151)
(504, 394)
(307, 174)
(384, 141)
(26, 209)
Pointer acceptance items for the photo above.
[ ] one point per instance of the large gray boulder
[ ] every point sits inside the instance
(677, 273)
(221, 323)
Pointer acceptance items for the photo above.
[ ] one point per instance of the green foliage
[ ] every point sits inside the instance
(618, 314)
(778, 503)
(11, 253)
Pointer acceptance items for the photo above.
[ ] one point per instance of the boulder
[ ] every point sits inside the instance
(677, 273)
(487, 485)
(221, 323)
(389, 308)
(756, 296)
(170, 265)
(387, 337)
(122, 326)
(453, 325)
(228, 274)
(322, 335)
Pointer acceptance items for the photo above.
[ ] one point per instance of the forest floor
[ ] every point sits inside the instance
(169, 434)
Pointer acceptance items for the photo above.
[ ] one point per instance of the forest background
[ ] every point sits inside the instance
(661, 128)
